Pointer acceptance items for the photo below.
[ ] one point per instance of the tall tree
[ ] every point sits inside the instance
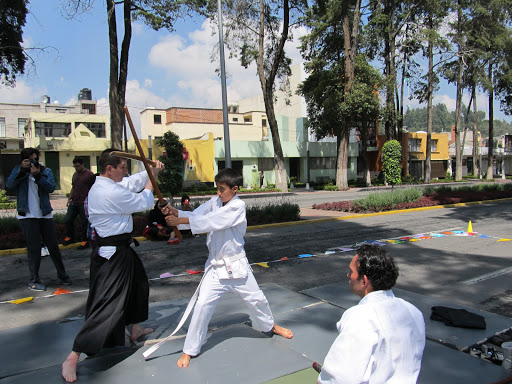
(328, 103)
(257, 32)
(432, 15)
(12, 56)
(13, 15)
(387, 23)
(492, 19)
(333, 38)
(156, 14)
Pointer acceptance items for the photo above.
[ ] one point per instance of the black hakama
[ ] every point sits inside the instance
(118, 296)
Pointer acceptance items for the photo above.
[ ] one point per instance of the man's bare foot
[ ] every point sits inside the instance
(69, 367)
(138, 331)
(284, 332)
(183, 361)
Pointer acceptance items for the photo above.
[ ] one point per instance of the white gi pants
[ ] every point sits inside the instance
(212, 288)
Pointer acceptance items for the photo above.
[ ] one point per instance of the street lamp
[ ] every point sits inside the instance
(227, 148)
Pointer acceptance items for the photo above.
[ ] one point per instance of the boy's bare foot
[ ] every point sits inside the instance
(138, 331)
(183, 361)
(284, 332)
(69, 367)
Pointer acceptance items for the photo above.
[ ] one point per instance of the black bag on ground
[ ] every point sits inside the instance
(457, 317)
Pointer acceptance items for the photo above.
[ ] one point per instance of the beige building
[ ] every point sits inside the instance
(60, 133)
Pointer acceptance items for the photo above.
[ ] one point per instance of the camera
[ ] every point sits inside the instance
(34, 162)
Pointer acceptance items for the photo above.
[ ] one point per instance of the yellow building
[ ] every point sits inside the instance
(414, 154)
(198, 158)
(61, 137)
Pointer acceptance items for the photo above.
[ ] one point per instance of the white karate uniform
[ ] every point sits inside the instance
(381, 341)
(227, 268)
(111, 205)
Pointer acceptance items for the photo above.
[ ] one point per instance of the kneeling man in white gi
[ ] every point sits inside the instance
(382, 338)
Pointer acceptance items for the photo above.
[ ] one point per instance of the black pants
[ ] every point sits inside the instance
(34, 230)
(74, 210)
(118, 296)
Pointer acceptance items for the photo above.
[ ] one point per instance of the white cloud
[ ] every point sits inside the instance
(22, 93)
(148, 83)
(187, 60)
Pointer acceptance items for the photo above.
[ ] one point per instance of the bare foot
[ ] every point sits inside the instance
(284, 332)
(138, 331)
(69, 367)
(183, 361)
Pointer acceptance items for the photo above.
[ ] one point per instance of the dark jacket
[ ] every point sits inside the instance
(18, 180)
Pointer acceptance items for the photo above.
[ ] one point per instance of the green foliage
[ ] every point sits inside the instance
(391, 159)
(273, 213)
(9, 225)
(415, 119)
(171, 178)
(380, 201)
(4, 201)
(12, 56)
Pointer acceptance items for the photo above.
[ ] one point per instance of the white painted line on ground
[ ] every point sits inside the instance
(487, 276)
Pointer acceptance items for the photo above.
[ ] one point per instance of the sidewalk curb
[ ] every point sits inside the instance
(15, 251)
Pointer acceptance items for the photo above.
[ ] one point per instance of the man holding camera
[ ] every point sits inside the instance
(33, 184)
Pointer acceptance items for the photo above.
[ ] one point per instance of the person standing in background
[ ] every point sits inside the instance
(33, 184)
(83, 179)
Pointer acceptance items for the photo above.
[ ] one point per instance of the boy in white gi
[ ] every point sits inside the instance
(227, 268)
(382, 338)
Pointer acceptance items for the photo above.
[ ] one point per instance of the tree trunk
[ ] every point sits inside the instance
(118, 70)
(428, 159)
(390, 52)
(490, 153)
(350, 52)
(267, 86)
(341, 171)
(366, 170)
(476, 147)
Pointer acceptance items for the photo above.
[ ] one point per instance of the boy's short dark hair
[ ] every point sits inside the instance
(230, 177)
(378, 265)
(107, 159)
(26, 153)
(183, 198)
(78, 160)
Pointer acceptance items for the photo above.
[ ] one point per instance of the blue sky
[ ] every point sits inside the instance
(165, 69)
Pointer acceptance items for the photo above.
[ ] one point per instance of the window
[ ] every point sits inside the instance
(235, 119)
(2, 126)
(157, 119)
(322, 162)
(247, 119)
(433, 145)
(88, 109)
(265, 164)
(263, 122)
(53, 129)
(414, 145)
(21, 127)
(97, 128)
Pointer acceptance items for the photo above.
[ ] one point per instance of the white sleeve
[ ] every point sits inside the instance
(351, 358)
(135, 183)
(225, 217)
(125, 202)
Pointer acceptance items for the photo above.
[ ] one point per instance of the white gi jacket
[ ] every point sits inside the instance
(226, 227)
(381, 341)
(111, 205)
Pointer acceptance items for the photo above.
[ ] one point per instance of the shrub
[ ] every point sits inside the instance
(4, 201)
(391, 159)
